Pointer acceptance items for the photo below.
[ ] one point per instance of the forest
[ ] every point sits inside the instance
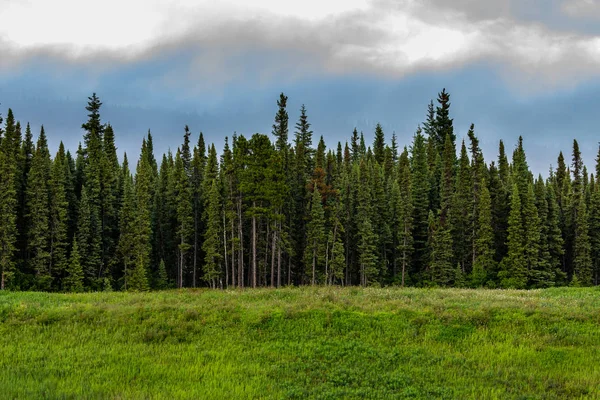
(273, 211)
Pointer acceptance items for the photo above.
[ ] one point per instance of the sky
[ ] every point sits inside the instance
(512, 67)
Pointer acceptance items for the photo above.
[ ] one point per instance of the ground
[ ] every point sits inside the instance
(298, 343)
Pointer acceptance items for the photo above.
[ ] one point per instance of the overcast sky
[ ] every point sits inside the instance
(528, 67)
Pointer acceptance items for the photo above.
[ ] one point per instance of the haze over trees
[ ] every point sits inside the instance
(283, 209)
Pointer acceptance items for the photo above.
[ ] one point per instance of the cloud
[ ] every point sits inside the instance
(212, 45)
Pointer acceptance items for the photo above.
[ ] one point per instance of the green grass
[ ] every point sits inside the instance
(320, 343)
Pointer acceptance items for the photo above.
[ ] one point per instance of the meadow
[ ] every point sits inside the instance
(297, 343)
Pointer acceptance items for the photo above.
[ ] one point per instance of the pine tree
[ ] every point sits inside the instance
(38, 195)
(9, 147)
(212, 237)
(484, 241)
(73, 281)
(582, 261)
(531, 229)
(513, 268)
(138, 282)
(127, 228)
(59, 212)
(379, 144)
(442, 264)
(184, 211)
(315, 235)
(162, 280)
(420, 202)
(461, 213)
(405, 215)
(93, 123)
(443, 122)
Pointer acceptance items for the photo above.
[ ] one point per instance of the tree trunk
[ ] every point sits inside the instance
(225, 256)
(195, 244)
(279, 261)
(241, 237)
(273, 252)
(254, 247)
(314, 263)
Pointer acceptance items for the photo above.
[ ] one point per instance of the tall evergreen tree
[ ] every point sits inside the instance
(513, 268)
(379, 144)
(484, 240)
(212, 237)
(9, 147)
(38, 194)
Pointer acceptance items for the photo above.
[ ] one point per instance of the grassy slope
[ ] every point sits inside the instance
(302, 343)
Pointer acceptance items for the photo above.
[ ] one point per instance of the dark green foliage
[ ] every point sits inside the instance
(513, 268)
(484, 262)
(73, 281)
(265, 213)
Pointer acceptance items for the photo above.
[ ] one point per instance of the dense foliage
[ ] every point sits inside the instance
(280, 212)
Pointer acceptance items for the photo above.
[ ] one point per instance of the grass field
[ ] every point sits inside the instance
(320, 343)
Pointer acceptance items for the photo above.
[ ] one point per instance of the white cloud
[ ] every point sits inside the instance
(378, 36)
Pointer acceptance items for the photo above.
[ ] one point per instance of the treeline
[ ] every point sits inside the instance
(273, 213)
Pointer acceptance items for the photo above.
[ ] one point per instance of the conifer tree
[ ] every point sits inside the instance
(442, 264)
(461, 213)
(73, 281)
(420, 199)
(582, 261)
(531, 228)
(9, 147)
(38, 195)
(212, 237)
(379, 144)
(443, 122)
(162, 280)
(484, 241)
(138, 282)
(405, 215)
(127, 219)
(315, 234)
(513, 268)
(59, 212)
(184, 211)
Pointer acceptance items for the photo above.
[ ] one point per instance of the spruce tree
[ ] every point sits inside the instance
(582, 261)
(73, 281)
(38, 195)
(484, 241)
(212, 237)
(8, 199)
(315, 237)
(59, 212)
(442, 258)
(420, 202)
(513, 268)
(379, 144)
(405, 216)
(184, 211)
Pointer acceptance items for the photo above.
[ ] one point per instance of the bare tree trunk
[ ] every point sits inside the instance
(404, 259)
(264, 279)
(241, 249)
(232, 255)
(273, 252)
(195, 244)
(289, 277)
(254, 248)
(327, 263)
(2, 281)
(279, 261)
(225, 256)
(314, 264)
(181, 265)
